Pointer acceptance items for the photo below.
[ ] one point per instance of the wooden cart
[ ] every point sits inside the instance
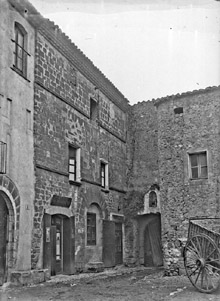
(202, 254)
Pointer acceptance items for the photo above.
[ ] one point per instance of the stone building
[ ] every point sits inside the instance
(173, 173)
(188, 148)
(143, 184)
(81, 187)
(80, 123)
(66, 174)
(16, 141)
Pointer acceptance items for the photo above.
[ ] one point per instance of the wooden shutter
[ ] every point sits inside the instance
(69, 245)
(155, 239)
(53, 231)
(109, 243)
(118, 244)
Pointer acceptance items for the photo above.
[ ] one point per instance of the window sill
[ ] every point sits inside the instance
(75, 183)
(20, 73)
(105, 190)
(200, 181)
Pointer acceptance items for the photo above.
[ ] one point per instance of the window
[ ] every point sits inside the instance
(3, 157)
(91, 229)
(104, 174)
(93, 109)
(178, 110)
(198, 165)
(153, 199)
(20, 53)
(74, 164)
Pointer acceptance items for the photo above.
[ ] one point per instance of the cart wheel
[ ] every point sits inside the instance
(202, 263)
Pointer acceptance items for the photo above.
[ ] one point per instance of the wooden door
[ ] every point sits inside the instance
(118, 243)
(53, 267)
(69, 245)
(49, 249)
(108, 243)
(152, 243)
(148, 256)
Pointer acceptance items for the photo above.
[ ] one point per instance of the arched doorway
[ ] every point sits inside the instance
(4, 237)
(93, 234)
(153, 255)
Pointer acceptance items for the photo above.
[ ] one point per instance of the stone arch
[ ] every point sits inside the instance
(100, 209)
(85, 202)
(152, 199)
(93, 233)
(13, 201)
(10, 195)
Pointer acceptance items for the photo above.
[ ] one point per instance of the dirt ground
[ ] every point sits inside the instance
(138, 284)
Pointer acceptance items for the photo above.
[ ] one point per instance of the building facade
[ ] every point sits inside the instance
(16, 141)
(188, 147)
(65, 127)
(143, 183)
(81, 188)
(173, 174)
(80, 122)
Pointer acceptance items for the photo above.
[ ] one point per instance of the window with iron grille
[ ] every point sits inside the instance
(198, 165)
(3, 157)
(91, 229)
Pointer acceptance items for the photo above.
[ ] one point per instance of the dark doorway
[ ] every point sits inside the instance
(57, 224)
(118, 243)
(153, 255)
(112, 243)
(3, 239)
(59, 244)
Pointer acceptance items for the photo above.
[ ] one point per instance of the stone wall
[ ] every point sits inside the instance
(16, 131)
(58, 75)
(161, 133)
(62, 117)
(142, 172)
(194, 127)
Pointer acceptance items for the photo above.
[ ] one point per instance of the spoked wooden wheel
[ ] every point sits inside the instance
(202, 263)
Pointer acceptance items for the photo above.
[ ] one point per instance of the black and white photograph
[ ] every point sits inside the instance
(110, 150)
